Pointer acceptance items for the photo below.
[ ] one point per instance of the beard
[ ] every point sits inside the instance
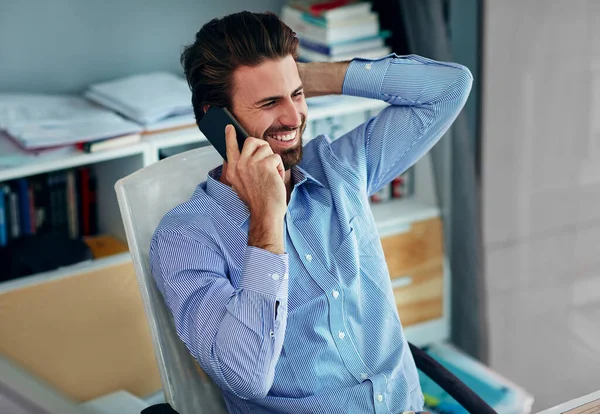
(289, 156)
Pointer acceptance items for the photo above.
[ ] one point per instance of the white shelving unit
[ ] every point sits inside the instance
(391, 217)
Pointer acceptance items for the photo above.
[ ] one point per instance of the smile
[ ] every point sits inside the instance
(284, 137)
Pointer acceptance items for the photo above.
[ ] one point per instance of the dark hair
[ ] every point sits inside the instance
(224, 44)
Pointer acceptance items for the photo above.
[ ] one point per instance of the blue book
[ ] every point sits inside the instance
(369, 42)
(3, 218)
(24, 213)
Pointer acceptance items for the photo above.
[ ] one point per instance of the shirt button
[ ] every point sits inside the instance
(368, 66)
(308, 257)
(364, 376)
(272, 334)
(275, 276)
(335, 294)
(379, 397)
(341, 335)
(286, 275)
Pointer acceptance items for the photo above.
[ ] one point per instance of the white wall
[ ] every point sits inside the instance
(61, 46)
(541, 184)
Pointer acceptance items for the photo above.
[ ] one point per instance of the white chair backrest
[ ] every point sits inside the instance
(144, 197)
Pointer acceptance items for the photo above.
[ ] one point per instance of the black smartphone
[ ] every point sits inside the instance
(213, 125)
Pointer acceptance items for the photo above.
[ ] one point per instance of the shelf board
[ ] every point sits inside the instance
(174, 138)
(74, 269)
(394, 216)
(391, 217)
(344, 105)
(40, 165)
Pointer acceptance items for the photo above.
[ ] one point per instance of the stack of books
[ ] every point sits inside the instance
(157, 101)
(335, 30)
(56, 202)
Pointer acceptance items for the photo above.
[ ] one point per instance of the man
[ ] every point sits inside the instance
(273, 269)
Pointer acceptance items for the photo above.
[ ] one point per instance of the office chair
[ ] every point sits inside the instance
(144, 197)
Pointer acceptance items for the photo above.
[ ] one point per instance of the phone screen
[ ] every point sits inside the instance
(213, 125)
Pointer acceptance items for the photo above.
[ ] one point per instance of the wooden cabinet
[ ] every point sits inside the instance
(85, 334)
(415, 262)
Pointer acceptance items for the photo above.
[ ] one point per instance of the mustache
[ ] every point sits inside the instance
(279, 129)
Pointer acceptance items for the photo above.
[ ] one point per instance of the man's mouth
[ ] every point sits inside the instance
(288, 136)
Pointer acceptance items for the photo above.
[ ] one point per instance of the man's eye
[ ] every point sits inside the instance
(299, 93)
(268, 104)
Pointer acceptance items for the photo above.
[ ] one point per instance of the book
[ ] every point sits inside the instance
(86, 200)
(349, 30)
(13, 214)
(346, 47)
(333, 10)
(109, 143)
(72, 211)
(309, 55)
(3, 217)
(24, 214)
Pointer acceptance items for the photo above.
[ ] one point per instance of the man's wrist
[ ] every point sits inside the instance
(322, 78)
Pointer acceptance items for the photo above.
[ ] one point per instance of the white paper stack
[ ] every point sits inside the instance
(13, 155)
(155, 100)
(40, 121)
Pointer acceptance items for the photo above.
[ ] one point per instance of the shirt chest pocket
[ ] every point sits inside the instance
(360, 248)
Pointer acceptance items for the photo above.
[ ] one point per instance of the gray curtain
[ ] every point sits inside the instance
(457, 186)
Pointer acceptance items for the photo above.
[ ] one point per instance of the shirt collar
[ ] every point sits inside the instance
(229, 200)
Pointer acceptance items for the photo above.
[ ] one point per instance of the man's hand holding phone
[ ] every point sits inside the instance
(257, 176)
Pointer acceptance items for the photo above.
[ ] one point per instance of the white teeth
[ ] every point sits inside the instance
(287, 137)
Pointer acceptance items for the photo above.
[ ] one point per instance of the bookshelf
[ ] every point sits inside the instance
(392, 217)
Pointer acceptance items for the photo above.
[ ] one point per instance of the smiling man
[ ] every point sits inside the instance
(273, 269)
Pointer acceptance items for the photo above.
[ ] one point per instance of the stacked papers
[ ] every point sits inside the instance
(13, 155)
(154, 100)
(38, 121)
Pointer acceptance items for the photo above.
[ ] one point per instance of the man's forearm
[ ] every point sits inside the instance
(266, 233)
(322, 78)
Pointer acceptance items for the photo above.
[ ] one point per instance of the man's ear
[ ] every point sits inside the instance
(205, 107)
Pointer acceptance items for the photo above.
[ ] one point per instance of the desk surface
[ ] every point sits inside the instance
(588, 404)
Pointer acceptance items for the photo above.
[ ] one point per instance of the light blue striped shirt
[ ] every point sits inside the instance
(334, 343)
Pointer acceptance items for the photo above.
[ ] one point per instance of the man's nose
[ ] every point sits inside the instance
(290, 116)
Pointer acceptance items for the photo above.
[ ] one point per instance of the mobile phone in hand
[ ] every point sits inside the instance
(213, 125)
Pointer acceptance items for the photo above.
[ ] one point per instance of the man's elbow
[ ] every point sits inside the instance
(253, 389)
(463, 84)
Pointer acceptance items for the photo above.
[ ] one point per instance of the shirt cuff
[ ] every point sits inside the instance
(364, 77)
(265, 272)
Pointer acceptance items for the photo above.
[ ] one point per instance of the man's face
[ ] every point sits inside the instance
(268, 100)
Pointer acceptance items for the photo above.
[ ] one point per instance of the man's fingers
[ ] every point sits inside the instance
(251, 145)
(274, 161)
(262, 151)
(233, 152)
